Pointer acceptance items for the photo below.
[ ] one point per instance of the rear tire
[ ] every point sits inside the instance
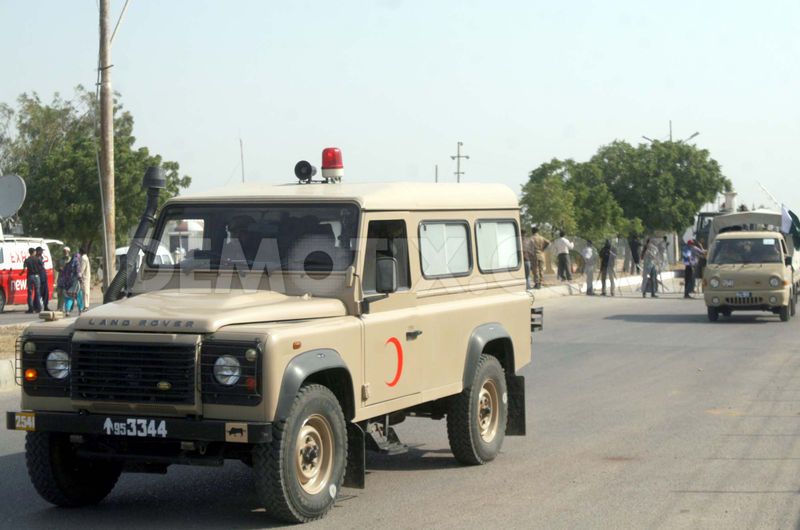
(2, 300)
(61, 477)
(299, 473)
(713, 314)
(477, 417)
(792, 304)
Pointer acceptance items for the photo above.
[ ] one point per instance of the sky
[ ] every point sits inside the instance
(395, 84)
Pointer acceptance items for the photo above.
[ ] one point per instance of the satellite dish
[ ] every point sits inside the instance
(12, 195)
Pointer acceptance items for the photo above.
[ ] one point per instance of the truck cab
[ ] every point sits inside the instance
(296, 325)
(751, 266)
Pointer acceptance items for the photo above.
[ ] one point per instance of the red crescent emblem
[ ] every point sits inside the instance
(399, 372)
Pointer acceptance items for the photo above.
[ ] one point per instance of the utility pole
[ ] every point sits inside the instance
(436, 173)
(457, 157)
(241, 154)
(670, 130)
(107, 143)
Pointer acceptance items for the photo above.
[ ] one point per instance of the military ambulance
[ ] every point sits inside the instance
(299, 325)
(752, 266)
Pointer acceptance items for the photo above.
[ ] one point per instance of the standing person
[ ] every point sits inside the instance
(85, 278)
(562, 246)
(32, 274)
(636, 253)
(60, 264)
(540, 244)
(527, 256)
(689, 264)
(72, 285)
(589, 258)
(701, 255)
(650, 270)
(608, 262)
(43, 283)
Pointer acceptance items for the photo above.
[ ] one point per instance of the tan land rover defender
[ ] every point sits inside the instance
(751, 266)
(297, 324)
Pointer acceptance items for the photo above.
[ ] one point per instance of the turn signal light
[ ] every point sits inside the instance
(250, 383)
(31, 375)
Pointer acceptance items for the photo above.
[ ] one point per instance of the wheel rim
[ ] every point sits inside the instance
(314, 454)
(488, 411)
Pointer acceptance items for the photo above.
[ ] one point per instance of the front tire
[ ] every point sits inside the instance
(477, 417)
(792, 304)
(299, 473)
(785, 313)
(61, 477)
(713, 314)
(2, 300)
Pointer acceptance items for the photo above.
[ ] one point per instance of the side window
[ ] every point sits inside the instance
(497, 244)
(387, 238)
(444, 248)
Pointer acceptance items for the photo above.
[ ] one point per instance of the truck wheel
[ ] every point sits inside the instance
(476, 419)
(792, 304)
(785, 313)
(299, 473)
(61, 477)
(713, 314)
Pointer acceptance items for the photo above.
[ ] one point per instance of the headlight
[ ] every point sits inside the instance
(714, 282)
(775, 281)
(57, 364)
(227, 370)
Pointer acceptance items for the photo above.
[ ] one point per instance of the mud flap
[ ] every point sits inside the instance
(515, 385)
(355, 474)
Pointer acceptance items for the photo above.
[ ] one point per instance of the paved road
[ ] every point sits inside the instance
(641, 415)
(15, 314)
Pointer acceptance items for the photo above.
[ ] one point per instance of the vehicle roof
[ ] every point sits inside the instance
(746, 234)
(371, 196)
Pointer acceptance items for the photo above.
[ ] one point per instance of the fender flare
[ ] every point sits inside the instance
(299, 369)
(480, 337)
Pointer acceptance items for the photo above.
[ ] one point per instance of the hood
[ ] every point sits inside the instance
(202, 311)
(746, 275)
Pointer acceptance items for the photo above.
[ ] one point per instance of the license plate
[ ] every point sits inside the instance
(25, 421)
(744, 294)
(136, 427)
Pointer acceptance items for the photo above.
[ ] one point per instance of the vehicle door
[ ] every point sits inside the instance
(393, 345)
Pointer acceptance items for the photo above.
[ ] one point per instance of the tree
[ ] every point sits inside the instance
(53, 147)
(664, 183)
(574, 197)
(546, 201)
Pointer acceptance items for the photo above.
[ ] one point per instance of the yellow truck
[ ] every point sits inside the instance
(751, 266)
(296, 325)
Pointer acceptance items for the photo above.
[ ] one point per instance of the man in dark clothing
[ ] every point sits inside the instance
(636, 253)
(44, 288)
(31, 266)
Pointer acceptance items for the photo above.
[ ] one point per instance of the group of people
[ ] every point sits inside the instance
(535, 245)
(73, 282)
(648, 259)
(36, 276)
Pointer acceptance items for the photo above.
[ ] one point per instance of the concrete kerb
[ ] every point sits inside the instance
(579, 287)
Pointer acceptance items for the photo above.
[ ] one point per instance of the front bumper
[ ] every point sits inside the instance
(140, 427)
(762, 299)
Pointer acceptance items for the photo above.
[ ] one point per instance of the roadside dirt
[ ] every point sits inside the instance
(8, 337)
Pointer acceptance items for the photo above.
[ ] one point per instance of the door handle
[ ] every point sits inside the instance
(411, 335)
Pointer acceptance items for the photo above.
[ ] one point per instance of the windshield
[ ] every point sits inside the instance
(754, 250)
(288, 237)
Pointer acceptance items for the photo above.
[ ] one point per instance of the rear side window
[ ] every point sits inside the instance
(444, 248)
(497, 241)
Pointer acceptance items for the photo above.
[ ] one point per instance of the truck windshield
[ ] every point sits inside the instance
(286, 236)
(751, 250)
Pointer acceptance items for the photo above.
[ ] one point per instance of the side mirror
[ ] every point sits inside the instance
(386, 275)
(787, 261)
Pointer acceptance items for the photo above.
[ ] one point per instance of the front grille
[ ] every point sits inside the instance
(138, 373)
(744, 300)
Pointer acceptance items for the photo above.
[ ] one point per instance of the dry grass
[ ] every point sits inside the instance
(8, 337)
